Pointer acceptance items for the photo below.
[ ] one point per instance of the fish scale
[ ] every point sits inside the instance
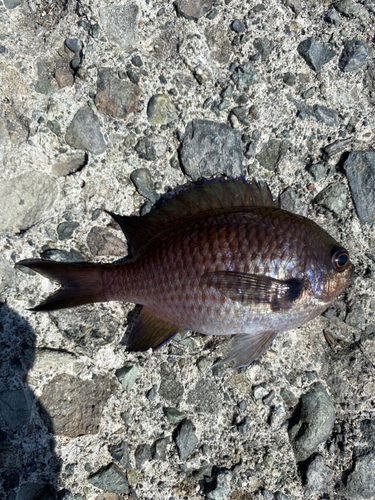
(221, 259)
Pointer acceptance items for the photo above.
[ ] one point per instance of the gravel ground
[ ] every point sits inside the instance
(109, 104)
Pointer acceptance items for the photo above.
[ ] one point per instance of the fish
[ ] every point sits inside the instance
(221, 259)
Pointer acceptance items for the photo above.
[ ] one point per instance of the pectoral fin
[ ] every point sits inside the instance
(251, 288)
(150, 331)
(246, 348)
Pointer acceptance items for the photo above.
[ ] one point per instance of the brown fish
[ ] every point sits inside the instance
(221, 259)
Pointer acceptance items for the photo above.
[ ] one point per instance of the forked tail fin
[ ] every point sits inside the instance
(82, 283)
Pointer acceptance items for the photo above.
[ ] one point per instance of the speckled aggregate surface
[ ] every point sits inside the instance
(92, 91)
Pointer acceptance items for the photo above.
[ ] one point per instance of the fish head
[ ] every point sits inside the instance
(330, 269)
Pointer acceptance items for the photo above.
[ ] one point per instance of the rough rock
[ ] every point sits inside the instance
(354, 56)
(223, 486)
(111, 479)
(318, 475)
(244, 76)
(69, 164)
(291, 202)
(334, 197)
(142, 455)
(152, 147)
(127, 375)
(315, 54)
(313, 422)
(115, 97)
(120, 23)
(170, 388)
(24, 200)
(361, 481)
(185, 439)
(159, 448)
(348, 8)
(15, 407)
(160, 110)
(205, 397)
(75, 405)
(211, 148)
(101, 241)
(193, 9)
(173, 415)
(66, 229)
(272, 153)
(144, 184)
(84, 132)
(360, 172)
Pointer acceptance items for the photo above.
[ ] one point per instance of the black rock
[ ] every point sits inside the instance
(142, 455)
(185, 439)
(360, 172)
(354, 56)
(110, 479)
(312, 422)
(211, 148)
(315, 54)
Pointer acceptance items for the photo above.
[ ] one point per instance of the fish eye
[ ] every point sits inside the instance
(340, 259)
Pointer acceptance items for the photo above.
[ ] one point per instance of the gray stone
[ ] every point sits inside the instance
(84, 132)
(142, 180)
(317, 170)
(336, 147)
(24, 200)
(264, 47)
(127, 375)
(142, 455)
(15, 407)
(356, 316)
(223, 486)
(324, 114)
(315, 422)
(110, 479)
(170, 388)
(244, 76)
(368, 431)
(173, 415)
(291, 202)
(159, 448)
(354, 56)
(68, 164)
(211, 148)
(12, 4)
(318, 475)
(294, 5)
(36, 491)
(62, 255)
(315, 54)
(348, 8)
(160, 110)
(185, 439)
(120, 453)
(101, 241)
(243, 426)
(120, 23)
(193, 9)
(115, 97)
(238, 26)
(74, 44)
(66, 229)
(361, 481)
(218, 43)
(152, 147)
(205, 397)
(75, 405)
(272, 153)
(334, 197)
(360, 172)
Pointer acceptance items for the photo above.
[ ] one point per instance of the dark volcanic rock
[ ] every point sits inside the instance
(115, 97)
(186, 439)
(15, 407)
(211, 148)
(110, 479)
(75, 405)
(354, 56)
(314, 422)
(84, 132)
(315, 54)
(272, 153)
(360, 172)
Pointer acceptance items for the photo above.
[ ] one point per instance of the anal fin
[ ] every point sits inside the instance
(247, 347)
(150, 331)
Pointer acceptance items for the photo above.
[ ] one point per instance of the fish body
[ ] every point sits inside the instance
(221, 259)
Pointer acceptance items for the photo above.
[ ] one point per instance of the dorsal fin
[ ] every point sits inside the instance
(212, 196)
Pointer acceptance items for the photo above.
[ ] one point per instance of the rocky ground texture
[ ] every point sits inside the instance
(109, 104)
